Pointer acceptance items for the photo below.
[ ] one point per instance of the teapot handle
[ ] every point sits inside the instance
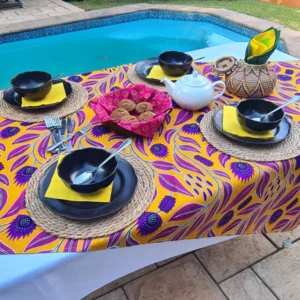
(224, 88)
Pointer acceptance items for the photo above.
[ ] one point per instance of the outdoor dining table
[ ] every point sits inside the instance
(202, 197)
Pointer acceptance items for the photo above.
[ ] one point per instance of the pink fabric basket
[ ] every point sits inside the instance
(161, 102)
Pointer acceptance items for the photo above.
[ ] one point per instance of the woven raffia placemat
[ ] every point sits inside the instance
(75, 101)
(67, 228)
(289, 148)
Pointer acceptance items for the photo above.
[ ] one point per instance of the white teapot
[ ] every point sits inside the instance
(192, 92)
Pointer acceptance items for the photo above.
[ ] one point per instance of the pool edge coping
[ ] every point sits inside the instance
(289, 36)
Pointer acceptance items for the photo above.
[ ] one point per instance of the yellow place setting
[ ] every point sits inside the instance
(56, 95)
(59, 190)
(157, 73)
(231, 125)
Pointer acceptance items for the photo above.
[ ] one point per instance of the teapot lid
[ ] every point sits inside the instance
(195, 79)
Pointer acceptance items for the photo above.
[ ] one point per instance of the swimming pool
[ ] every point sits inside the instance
(97, 44)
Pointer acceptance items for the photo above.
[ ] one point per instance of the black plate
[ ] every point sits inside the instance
(123, 188)
(281, 132)
(144, 67)
(14, 99)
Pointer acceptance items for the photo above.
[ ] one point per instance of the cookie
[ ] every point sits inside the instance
(129, 119)
(148, 115)
(127, 105)
(119, 113)
(143, 107)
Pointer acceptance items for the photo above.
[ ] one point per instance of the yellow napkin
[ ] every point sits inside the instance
(59, 190)
(157, 73)
(231, 125)
(56, 95)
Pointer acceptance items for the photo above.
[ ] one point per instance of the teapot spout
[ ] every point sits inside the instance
(169, 85)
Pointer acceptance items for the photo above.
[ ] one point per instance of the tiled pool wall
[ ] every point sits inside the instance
(148, 14)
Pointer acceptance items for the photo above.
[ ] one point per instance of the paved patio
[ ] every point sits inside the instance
(252, 267)
(35, 10)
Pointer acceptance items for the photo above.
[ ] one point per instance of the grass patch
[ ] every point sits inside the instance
(285, 15)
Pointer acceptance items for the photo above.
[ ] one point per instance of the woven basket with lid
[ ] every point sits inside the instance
(245, 80)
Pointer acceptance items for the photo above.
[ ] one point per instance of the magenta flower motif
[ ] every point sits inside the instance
(167, 203)
(297, 162)
(148, 223)
(244, 203)
(20, 227)
(213, 78)
(159, 150)
(191, 129)
(25, 124)
(275, 216)
(284, 77)
(86, 74)
(174, 104)
(99, 130)
(297, 180)
(9, 132)
(114, 88)
(204, 161)
(24, 175)
(1, 166)
(199, 178)
(199, 118)
(243, 171)
(75, 78)
(293, 203)
(226, 218)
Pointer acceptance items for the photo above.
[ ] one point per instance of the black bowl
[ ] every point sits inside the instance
(83, 160)
(33, 85)
(175, 63)
(257, 108)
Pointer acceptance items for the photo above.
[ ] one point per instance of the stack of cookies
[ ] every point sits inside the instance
(128, 111)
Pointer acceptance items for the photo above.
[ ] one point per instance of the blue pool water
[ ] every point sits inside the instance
(97, 48)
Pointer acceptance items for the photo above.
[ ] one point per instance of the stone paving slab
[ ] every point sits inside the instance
(280, 272)
(119, 282)
(183, 279)
(227, 258)
(169, 260)
(246, 286)
(115, 295)
(278, 238)
(36, 10)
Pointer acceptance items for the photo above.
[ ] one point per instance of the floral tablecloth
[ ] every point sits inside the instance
(200, 192)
